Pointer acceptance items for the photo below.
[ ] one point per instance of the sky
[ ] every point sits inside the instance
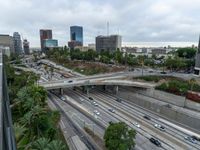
(135, 20)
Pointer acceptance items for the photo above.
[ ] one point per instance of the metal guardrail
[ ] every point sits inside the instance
(7, 139)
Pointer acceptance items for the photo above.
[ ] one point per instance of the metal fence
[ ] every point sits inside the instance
(7, 140)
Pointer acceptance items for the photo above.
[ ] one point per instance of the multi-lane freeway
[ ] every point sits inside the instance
(99, 108)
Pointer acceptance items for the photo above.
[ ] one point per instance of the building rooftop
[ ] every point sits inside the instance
(108, 35)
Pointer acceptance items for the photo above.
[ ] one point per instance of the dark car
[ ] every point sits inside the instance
(154, 141)
(163, 72)
(119, 100)
(147, 117)
(90, 98)
(70, 81)
(195, 138)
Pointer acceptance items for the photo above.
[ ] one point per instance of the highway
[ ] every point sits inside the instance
(77, 122)
(127, 110)
(82, 111)
(105, 117)
(131, 108)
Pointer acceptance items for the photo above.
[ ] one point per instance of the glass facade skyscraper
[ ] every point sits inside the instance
(17, 43)
(76, 34)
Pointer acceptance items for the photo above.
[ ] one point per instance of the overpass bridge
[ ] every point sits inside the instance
(86, 82)
(104, 81)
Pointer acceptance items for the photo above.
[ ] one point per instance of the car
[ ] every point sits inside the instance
(195, 138)
(136, 124)
(162, 128)
(163, 72)
(147, 117)
(119, 100)
(190, 139)
(90, 98)
(95, 104)
(96, 112)
(155, 141)
(63, 98)
(70, 81)
(111, 110)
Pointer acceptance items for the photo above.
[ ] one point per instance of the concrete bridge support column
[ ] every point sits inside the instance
(86, 89)
(116, 89)
(61, 91)
(104, 87)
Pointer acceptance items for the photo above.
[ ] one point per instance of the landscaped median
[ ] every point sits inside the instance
(172, 84)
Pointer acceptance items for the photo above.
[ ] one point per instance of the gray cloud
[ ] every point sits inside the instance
(135, 20)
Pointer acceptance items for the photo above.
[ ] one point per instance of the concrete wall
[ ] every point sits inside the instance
(166, 97)
(156, 106)
(169, 98)
(192, 105)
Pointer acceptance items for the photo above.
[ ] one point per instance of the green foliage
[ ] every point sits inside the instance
(40, 144)
(91, 71)
(156, 78)
(31, 116)
(45, 144)
(105, 59)
(178, 87)
(186, 52)
(175, 63)
(58, 54)
(119, 137)
(17, 81)
(150, 78)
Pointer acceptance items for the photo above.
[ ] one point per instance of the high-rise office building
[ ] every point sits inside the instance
(26, 47)
(76, 36)
(44, 34)
(17, 43)
(76, 33)
(110, 43)
(7, 41)
(197, 61)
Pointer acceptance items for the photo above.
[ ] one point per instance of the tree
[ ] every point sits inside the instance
(186, 52)
(119, 137)
(34, 120)
(56, 145)
(40, 144)
(118, 56)
(45, 144)
(19, 131)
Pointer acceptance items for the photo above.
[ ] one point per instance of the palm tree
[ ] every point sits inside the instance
(19, 131)
(56, 145)
(40, 144)
(34, 120)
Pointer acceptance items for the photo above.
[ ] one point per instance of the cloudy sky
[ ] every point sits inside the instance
(135, 20)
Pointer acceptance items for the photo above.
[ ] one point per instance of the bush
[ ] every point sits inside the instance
(155, 78)
(178, 87)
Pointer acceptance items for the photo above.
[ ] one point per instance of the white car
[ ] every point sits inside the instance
(63, 98)
(96, 112)
(159, 127)
(136, 124)
(95, 104)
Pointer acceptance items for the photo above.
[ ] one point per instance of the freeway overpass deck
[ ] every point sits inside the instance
(86, 82)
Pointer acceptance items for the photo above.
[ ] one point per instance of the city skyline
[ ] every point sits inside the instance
(139, 21)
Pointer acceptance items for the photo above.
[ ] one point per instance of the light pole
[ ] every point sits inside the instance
(142, 67)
